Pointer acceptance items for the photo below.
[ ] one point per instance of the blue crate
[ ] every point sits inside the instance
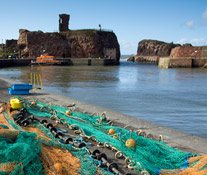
(26, 86)
(18, 92)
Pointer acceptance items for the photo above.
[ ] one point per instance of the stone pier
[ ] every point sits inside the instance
(168, 62)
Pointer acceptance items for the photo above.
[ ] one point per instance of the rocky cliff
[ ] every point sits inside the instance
(154, 48)
(151, 50)
(81, 43)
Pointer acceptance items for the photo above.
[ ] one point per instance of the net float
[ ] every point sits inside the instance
(111, 131)
(115, 137)
(34, 103)
(68, 112)
(130, 143)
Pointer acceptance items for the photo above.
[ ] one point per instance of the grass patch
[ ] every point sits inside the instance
(87, 32)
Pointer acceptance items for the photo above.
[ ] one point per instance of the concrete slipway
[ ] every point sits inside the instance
(172, 137)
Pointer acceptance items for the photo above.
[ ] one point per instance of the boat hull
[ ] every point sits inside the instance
(49, 63)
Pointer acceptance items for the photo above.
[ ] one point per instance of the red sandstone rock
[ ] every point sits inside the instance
(151, 50)
(82, 43)
(186, 52)
(22, 36)
(154, 48)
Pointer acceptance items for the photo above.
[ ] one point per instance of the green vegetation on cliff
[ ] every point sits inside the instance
(87, 32)
(7, 52)
(13, 51)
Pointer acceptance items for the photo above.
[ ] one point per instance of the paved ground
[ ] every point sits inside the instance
(173, 138)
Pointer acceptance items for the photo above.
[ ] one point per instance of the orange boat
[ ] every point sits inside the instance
(45, 59)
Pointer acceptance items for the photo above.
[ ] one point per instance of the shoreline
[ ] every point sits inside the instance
(4, 63)
(173, 138)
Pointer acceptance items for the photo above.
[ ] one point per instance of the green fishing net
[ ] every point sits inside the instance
(22, 155)
(151, 155)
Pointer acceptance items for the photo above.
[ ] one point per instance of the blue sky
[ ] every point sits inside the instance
(178, 21)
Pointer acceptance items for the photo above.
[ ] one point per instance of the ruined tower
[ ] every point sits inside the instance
(63, 22)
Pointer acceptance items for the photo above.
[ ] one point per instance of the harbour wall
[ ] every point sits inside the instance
(71, 62)
(168, 62)
(93, 61)
(144, 59)
(14, 62)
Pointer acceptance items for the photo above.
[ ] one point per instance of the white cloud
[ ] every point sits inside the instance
(204, 14)
(182, 41)
(194, 41)
(190, 23)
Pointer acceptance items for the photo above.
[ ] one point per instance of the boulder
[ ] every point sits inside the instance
(131, 58)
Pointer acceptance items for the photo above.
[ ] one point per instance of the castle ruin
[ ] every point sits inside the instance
(69, 43)
(64, 22)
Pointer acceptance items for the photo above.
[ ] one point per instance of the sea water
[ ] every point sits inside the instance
(175, 98)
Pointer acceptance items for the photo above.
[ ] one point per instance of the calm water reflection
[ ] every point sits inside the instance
(174, 98)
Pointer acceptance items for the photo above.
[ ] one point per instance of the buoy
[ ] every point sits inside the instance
(34, 103)
(2, 109)
(68, 112)
(115, 137)
(130, 143)
(58, 167)
(111, 131)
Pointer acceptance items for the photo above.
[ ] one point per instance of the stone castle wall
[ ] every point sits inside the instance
(186, 52)
(64, 22)
(185, 57)
(11, 43)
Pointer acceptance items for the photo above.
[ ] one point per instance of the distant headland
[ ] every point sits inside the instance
(170, 55)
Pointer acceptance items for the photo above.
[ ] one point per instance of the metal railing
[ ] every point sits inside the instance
(36, 80)
(105, 30)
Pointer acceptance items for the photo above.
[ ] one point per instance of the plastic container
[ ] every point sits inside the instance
(21, 86)
(18, 92)
(15, 103)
